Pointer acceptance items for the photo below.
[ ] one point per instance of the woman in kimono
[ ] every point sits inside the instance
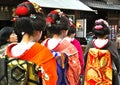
(99, 65)
(71, 38)
(30, 24)
(68, 65)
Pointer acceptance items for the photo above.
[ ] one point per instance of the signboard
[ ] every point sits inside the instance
(81, 28)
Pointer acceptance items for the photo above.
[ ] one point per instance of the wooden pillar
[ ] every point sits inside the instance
(77, 15)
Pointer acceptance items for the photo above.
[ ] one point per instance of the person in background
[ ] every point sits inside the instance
(68, 67)
(101, 31)
(7, 36)
(29, 24)
(118, 43)
(71, 38)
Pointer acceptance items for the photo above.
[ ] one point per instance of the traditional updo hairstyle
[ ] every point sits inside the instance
(25, 9)
(101, 28)
(29, 18)
(56, 22)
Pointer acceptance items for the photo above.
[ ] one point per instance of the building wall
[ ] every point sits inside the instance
(6, 10)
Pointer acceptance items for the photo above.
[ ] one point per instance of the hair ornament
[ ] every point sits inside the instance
(50, 20)
(61, 14)
(33, 16)
(21, 10)
(14, 19)
(99, 21)
(106, 23)
(26, 2)
(57, 11)
(98, 27)
(54, 12)
(58, 21)
(49, 24)
(71, 22)
(22, 33)
(38, 9)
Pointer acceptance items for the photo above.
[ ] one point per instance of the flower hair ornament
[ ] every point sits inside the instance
(98, 27)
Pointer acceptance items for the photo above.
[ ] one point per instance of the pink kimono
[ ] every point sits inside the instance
(77, 44)
(73, 69)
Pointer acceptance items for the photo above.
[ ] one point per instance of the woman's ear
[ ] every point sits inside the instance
(36, 32)
(37, 35)
(63, 31)
(8, 40)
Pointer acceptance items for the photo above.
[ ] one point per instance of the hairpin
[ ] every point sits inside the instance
(32, 16)
(22, 33)
(98, 27)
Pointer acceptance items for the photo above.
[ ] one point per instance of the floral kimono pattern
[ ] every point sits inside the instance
(98, 67)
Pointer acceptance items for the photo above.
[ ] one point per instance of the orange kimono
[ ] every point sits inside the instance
(42, 57)
(98, 68)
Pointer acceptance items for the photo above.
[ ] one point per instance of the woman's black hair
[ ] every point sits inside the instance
(30, 24)
(5, 33)
(71, 30)
(105, 30)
